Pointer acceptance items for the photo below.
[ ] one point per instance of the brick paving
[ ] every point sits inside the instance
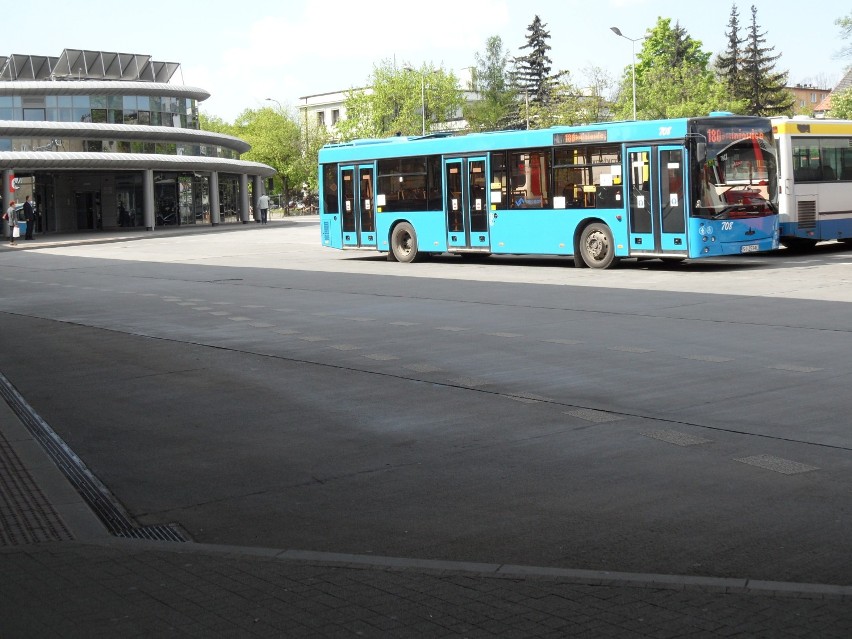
(141, 588)
(61, 577)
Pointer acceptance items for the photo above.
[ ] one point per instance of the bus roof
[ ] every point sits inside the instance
(441, 143)
(811, 126)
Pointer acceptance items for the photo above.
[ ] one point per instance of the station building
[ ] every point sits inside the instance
(102, 140)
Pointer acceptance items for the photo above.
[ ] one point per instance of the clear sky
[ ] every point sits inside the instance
(244, 52)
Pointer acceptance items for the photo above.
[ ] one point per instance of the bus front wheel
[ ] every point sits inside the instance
(404, 242)
(597, 246)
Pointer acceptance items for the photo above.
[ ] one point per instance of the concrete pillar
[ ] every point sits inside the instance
(215, 216)
(148, 199)
(257, 189)
(8, 194)
(244, 199)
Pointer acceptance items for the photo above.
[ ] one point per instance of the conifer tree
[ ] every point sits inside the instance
(729, 63)
(763, 87)
(533, 69)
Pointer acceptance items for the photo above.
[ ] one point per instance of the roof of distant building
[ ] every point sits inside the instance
(81, 64)
(845, 83)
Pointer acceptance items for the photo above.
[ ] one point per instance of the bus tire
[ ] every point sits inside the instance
(404, 243)
(597, 246)
(799, 244)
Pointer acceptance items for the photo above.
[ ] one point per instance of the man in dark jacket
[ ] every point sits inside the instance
(29, 216)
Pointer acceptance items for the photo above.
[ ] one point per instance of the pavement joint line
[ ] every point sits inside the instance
(738, 585)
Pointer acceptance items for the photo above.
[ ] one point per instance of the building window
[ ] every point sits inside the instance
(320, 118)
(335, 116)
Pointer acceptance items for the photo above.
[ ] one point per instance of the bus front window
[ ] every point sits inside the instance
(737, 181)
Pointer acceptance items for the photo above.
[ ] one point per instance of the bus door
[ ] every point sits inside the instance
(657, 207)
(465, 194)
(672, 212)
(358, 213)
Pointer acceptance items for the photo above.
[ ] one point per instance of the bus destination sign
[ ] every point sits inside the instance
(579, 137)
(720, 136)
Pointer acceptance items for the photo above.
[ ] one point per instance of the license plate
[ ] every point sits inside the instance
(750, 248)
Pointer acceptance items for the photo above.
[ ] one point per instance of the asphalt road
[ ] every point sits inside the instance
(257, 389)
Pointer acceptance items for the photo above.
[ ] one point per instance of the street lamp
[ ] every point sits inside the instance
(633, 42)
(276, 102)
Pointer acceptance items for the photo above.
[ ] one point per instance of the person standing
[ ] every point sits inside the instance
(263, 205)
(29, 216)
(12, 217)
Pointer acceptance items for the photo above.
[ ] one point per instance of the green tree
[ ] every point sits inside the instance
(496, 98)
(841, 105)
(729, 63)
(275, 139)
(532, 76)
(394, 100)
(214, 123)
(684, 91)
(597, 95)
(673, 78)
(278, 140)
(564, 106)
(763, 88)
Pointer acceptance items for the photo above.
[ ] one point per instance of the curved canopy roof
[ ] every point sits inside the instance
(38, 160)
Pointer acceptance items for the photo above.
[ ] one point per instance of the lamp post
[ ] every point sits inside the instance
(276, 102)
(633, 42)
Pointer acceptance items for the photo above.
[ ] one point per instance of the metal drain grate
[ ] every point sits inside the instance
(94, 493)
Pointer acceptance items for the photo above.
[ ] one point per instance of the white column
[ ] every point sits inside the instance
(257, 189)
(148, 199)
(215, 217)
(244, 199)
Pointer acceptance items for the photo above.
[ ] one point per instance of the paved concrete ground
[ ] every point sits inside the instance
(63, 575)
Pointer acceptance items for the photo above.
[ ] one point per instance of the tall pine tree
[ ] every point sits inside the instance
(763, 88)
(747, 69)
(729, 63)
(533, 77)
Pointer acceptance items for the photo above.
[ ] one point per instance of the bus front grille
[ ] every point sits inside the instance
(807, 214)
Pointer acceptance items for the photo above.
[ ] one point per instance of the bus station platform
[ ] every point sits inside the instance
(64, 575)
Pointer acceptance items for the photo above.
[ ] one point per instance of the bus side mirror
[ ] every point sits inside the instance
(701, 151)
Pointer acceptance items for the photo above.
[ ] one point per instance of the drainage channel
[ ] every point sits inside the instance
(94, 493)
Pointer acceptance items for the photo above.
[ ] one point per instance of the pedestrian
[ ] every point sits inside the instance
(29, 216)
(12, 217)
(263, 204)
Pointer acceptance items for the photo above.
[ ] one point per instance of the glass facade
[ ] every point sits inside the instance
(89, 145)
(181, 113)
(102, 190)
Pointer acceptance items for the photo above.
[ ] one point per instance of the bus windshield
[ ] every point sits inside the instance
(737, 179)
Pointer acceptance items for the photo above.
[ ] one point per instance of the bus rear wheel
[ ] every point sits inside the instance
(799, 244)
(597, 246)
(404, 242)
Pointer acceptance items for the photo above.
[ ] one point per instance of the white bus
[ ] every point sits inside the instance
(815, 180)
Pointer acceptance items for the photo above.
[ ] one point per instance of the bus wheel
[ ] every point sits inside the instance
(597, 246)
(404, 242)
(798, 244)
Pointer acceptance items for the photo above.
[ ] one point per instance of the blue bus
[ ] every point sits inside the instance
(664, 189)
